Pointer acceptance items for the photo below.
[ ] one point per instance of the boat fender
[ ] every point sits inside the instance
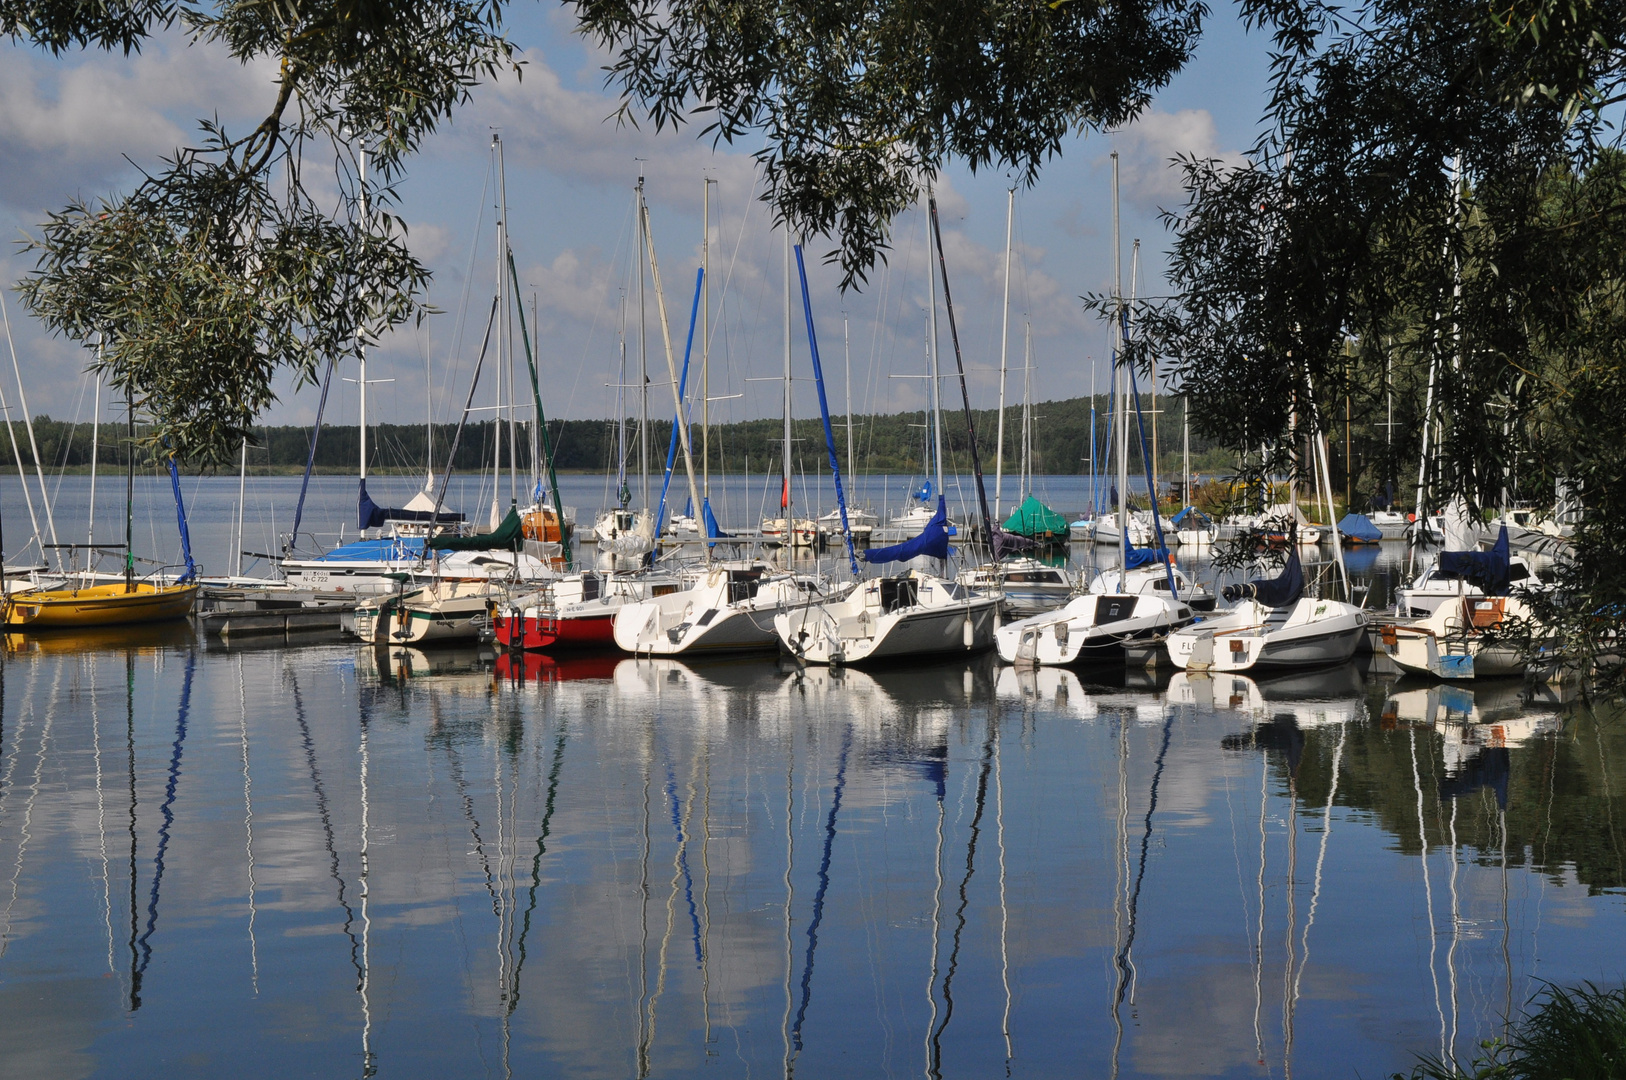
(968, 633)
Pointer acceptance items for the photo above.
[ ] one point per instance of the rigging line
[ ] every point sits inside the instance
(1456, 934)
(824, 886)
(965, 883)
(643, 923)
(937, 909)
(1004, 912)
(308, 745)
(1120, 860)
(167, 811)
(101, 814)
(248, 824)
(460, 323)
(1288, 1016)
(790, 893)
(454, 764)
(24, 834)
(129, 744)
(1259, 938)
(1126, 961)
(1428, 890)
(1321, 858)
(536, 860)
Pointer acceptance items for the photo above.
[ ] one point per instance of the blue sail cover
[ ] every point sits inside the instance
(1488, 570)
(925, 492)
(186, 537)
(1279, 591)
(713, 531)
(373, 516)
(1359, 527)
(933, 540)
(1191, 517)
(1135, 557)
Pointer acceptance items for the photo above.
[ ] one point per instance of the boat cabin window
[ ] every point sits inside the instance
(590, 587)
(1161, 583)
(1517, 571)
(898, 593)
(662, 590)
(743, 584)
(1109, 609)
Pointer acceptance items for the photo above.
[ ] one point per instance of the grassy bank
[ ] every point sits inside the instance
(1578, 1033)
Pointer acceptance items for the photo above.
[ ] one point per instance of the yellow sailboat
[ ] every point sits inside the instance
(116, 604)
(100, 605)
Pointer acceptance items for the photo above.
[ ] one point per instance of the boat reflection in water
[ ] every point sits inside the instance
(424, 863)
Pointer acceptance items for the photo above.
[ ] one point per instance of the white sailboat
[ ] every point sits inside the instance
(1128, 607)
(915, 613)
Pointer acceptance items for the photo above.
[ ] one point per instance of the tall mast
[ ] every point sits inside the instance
(931, 354)
(1027, 409)
(643, 347)
(129, 491)
(1185, 436)
(428, 412)
(361, 348)
(505, 341)
(242, 484)
(1119, 385)
(1004, 341)
(502, 312)
(847, 350)
(965, 393)
(95, 444)
(621, 492)
(705, 351)
(785, 498)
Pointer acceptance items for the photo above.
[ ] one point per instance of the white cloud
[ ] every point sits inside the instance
(573, 134)
(67, 127)
(1148, 174)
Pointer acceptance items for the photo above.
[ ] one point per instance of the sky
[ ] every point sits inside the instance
(72, 127)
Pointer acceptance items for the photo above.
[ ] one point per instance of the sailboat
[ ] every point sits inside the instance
(1026, 585)
(113, 604)
(726, 606)
(1451, 642)
(1144, 599)
(1456, 575)
(911, 614)
(787, 529)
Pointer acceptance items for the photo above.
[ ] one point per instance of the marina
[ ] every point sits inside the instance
(735, 610)
(423, 863)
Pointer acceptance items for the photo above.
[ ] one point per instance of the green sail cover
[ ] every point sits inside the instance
(505, 537)
(1036, 521)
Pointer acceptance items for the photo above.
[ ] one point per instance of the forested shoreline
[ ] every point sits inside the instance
(882, 443)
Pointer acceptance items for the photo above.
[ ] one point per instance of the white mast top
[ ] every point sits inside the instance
(1122, 387)
(1004, 342)
(937, 410)
(787, 494)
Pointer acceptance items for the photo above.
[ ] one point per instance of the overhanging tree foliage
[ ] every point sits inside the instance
(233, 259)
(225, 266)
(1434, 208)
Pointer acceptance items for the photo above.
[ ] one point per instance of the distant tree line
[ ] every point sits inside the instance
(884, 443)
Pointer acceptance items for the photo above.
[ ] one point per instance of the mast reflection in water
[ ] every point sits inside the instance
(348, 861)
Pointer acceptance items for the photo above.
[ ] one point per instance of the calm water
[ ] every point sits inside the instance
(332, 861)
(336, 862)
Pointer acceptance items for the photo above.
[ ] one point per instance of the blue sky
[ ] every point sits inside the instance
(68, 125)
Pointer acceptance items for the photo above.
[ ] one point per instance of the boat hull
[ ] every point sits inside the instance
(1317, 632)
(1078, 634)
(99, 605)
(542, 631)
